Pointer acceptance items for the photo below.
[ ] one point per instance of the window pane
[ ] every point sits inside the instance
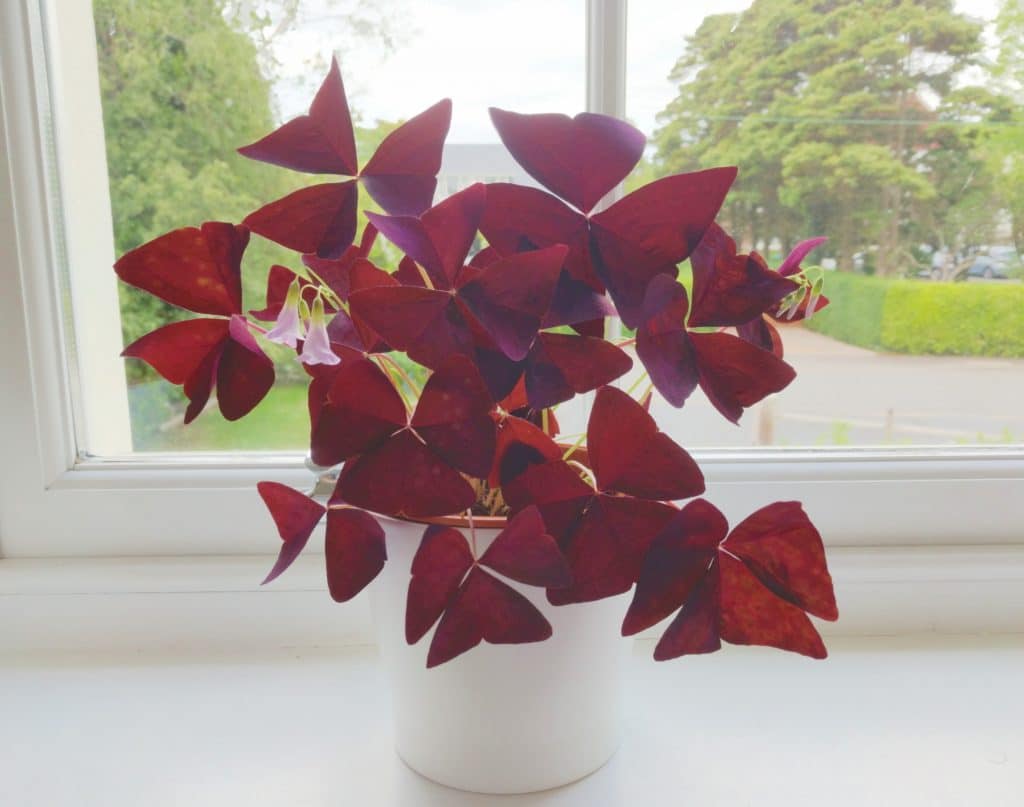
(185, 82)
(894, 129)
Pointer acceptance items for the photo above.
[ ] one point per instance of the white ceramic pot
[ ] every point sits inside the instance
(502, 718)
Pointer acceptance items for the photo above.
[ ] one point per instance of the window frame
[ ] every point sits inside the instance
(55, 501)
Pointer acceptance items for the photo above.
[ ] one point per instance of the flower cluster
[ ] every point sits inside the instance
(505, 333)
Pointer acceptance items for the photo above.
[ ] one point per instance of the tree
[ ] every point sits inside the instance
(1004, 142)
(181, 90)
(826, 106)
(184, 83)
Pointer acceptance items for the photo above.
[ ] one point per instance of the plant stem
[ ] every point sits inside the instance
(413, 386)
(472, 530)
(640, 380)
(581, 467)
(425, 276)
(572, 449)
(327, 291)
(388, 369)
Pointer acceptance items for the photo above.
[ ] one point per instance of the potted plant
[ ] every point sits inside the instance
(433, 386)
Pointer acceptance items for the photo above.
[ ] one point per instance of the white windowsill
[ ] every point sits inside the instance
(896, 721)
(204, 603)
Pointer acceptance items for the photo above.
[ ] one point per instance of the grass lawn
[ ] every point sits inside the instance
(279, 423)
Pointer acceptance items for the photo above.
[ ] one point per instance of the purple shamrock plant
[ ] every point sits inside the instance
(504, 334)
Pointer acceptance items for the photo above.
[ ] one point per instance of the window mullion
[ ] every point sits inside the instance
(606, 57)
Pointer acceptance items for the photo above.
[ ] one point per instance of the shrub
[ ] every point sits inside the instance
(918, 317)
(959, 319)
(854, 314)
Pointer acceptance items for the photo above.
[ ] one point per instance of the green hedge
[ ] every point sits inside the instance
(854, 313)
(924, 317)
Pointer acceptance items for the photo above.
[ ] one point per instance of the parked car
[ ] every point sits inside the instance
(985, 266)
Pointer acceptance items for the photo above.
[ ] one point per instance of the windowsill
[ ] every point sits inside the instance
(207, 603)
(883, 721)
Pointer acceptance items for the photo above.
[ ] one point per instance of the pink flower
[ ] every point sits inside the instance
(317, 347)
(287, 329)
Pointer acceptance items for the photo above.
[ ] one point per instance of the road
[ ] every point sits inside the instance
(845, 395)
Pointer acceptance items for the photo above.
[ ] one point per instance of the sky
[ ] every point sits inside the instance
(526, 55)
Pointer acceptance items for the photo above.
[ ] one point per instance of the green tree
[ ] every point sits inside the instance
(184, 83)
(826, 106)
(1004, 143)
(181, 90)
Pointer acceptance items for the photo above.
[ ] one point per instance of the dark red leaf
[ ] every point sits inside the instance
(731, 289)
(518, 218)
(442, 560)
(320, 219)
(590, 327)
(576, 303)
(355, 552)
(404, 478)
(735, 374)
(484, 257)
(606, 550)
(544, 419)
(409, 273)
(667, 218)
(321, 142)
(783, 549)
(401, 175)
(245, 373)
(580, 159)
(333, 272)
(177, 350)
(191, 353)
(662, 343)
(557, 490)
(723, 595)
(629, 454)
(525, 552)
(520, 445)
(752, 614)
(502, 375)
(628, 271)
(337, 273)
(652, 229)
(760, 332)
(677, 560)
(696, 629)
(453, 417)
(401, 193)
(511, 296)
(199, 385)
(441, 238)
(296, 516)
(425, 323)
(485, 609)
(347, 340)
(559, 366)
(360, 410)
(198, 268)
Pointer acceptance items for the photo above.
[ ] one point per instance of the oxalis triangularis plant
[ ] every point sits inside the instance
(480, 436)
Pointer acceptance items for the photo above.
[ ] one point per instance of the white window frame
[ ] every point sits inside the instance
(56, 502)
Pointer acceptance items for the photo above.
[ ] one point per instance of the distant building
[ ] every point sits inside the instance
(462, 164)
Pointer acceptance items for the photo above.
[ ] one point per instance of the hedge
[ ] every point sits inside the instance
(924, 317)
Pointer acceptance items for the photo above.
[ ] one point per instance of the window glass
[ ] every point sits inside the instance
(186, 82)
(896, 129)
